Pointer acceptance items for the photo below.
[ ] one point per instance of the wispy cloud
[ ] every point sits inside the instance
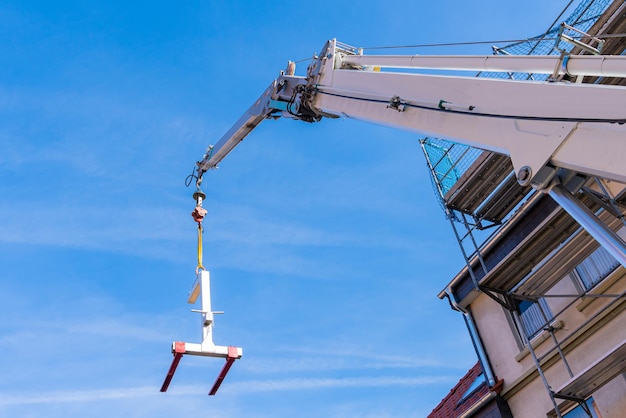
(94, 132)
(335, 383)
(340, 359)
(233, 388)
(107, 228)
(75, 396)
(237, 236)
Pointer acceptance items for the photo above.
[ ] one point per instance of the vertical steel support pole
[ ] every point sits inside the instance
(205, 306)
(596, 228)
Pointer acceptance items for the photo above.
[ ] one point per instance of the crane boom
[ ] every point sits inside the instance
(274, 100)
(546, 127)
(607, 66)
(540, 125)
(246, 124)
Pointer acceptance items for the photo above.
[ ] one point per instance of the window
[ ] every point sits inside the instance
(478, 380)
(595, 268)
(533, 318)
(579, 411)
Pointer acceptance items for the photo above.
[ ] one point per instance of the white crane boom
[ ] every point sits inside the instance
(607, 66)
(544, 126)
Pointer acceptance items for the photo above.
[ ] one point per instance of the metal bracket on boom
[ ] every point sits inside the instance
(576, 37)
(207, 348)
(396, 103)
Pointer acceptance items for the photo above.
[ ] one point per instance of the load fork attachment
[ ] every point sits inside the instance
(202, 289)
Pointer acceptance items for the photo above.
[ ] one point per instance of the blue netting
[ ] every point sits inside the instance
(583, 17)
(448, 160)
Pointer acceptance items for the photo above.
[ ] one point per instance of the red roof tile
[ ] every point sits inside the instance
(453, 405)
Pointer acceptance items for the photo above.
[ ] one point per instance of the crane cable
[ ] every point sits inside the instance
(198, 215)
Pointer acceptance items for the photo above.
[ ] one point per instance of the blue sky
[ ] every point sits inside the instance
(325, 243)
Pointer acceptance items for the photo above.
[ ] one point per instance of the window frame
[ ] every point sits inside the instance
(603, 264)
(537, 314)
(515, 328)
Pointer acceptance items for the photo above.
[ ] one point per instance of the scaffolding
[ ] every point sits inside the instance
(518, 243)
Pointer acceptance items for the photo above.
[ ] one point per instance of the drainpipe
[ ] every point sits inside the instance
(471, 327)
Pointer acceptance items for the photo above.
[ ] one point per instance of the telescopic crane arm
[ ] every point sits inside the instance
(277, 100)
(545, 127)
(246, 124)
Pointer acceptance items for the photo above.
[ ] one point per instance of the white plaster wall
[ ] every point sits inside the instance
(530, 399)
(611, 399)
(531, 402)
(497, 337)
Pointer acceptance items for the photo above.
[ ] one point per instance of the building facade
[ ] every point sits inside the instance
(544, 303)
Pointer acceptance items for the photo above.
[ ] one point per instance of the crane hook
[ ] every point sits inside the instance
(199, 212)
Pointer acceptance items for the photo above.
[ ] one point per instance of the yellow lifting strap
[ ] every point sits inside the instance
(200, 266)
(198, 215)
